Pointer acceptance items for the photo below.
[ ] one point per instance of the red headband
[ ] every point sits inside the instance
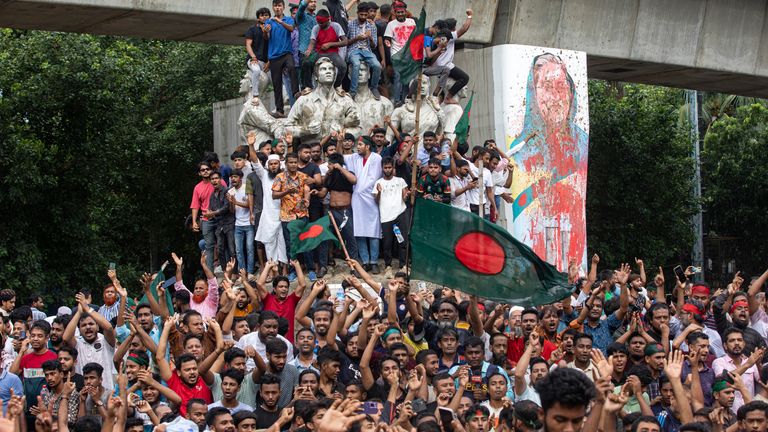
(322, 19)
(741, 303)
(700, 289)
(690, 308)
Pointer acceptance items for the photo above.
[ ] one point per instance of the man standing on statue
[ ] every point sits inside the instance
(278, 32)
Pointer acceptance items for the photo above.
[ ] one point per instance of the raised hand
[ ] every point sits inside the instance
(673, 366)
(659, 279)
(623, 274)
(639, 262)
(756, 355)
(146, 281)
(179, 261)
(604, 367)
(595, 259)
(615, 402)
(230, 265)
(340, 416)
(414, 381)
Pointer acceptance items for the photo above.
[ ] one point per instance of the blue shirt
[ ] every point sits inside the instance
(8, 382)
(306, 22)
(356, 29)
(279, 38)
(602, 335)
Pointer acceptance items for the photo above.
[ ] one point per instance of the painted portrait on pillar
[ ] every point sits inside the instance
(546, 128)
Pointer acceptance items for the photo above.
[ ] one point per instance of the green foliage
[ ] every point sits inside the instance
(98, 141)
(735, 181)
(640, 176)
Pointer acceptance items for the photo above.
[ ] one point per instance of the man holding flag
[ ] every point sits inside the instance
(396, 37)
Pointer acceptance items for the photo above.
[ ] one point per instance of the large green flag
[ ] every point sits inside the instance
(407, 62)
(306, 236)
(462, 127)
(157, 281)
(458, 249)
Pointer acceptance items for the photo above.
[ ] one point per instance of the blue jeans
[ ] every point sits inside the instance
(245, 252)
(208, 228)
(368, 247)
(358, 56)
(399, 91)
(308, 261)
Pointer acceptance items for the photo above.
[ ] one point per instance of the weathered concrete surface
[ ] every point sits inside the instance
(210, 21)
(226, 131)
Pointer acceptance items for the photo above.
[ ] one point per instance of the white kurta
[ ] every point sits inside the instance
(365, 210)
(270, 231)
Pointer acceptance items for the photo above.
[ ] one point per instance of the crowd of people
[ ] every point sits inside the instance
(288, 45)
(264, 341)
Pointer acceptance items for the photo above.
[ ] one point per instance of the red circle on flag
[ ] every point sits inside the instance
(417, 47)
(480, 253)
(312, 232)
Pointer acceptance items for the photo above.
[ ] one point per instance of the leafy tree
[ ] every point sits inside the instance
(640, 176)
(735, 180)
(99, 139)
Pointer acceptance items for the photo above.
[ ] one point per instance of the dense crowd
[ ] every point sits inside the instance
(264, 340)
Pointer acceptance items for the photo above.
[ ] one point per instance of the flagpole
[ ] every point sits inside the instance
(414, 158)
(338, 234)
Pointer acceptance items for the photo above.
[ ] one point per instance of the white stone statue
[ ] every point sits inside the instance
(266, 94)
(254, 118)
(324, 109)
(371, 111)
(453, 112)
(431, 115)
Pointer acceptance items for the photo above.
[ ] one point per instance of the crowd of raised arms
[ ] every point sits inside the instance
(264, 340)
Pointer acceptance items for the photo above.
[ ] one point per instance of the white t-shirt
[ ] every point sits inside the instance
(473, 195)
(253, 340)
(399, 32)
(240, 406)
(446, 58)
(459, 201)
(99, 352)
(391, 203)
(242, 215)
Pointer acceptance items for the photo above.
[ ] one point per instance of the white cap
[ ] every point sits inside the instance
(273, 157)
(63, 310)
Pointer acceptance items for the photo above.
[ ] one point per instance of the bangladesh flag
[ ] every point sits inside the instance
(462, 127)
(157, 281)
(407, 62)
(306, 236)
(458, 249)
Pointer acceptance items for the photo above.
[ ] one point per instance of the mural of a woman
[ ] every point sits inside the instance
(550, 155)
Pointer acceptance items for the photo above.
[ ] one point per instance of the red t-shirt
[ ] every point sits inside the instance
(200, 391)
(32, 375)
(285, 309)
(516, 347)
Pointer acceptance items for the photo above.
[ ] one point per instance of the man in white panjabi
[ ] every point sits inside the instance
(370, 110)
(270, 231)
(367, 167)
(324, 109)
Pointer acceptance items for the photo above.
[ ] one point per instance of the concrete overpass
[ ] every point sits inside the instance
(713, 45)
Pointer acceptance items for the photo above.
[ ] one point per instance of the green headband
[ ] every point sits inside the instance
(719, 386)
(389, 332)
(275, 142)
(138, 360)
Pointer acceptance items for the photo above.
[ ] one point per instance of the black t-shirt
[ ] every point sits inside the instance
(310, 170)
(335, 181)
(338, 12)
(259, 45)
(264, 418)
(381, 27)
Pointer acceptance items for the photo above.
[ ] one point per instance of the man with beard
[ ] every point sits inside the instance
(692, 321)
(367, 166)
(267, 412)
(57, 330)
(534, 366)
(698, 346)
(498, 344)
(201, 199)
(279, 301)
(589, 317)
(231, 383)
(636, 343)
(92, 346)
(94, 395)
(737, 362)
(278, 366)
(739, 314)
(305, 342)
(654, 358)
(68, 358)
(270, 232)
(429, 360)
(144, 320)
(205, 297)
(196, 409)
(339, 183)
(258, 339)
(292, 188)
(57, 393)
(480, 370)
(192, 323)
(185, 379)
(529, 321)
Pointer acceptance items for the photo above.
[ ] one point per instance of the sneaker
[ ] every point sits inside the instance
(376, 94)
(312, 276)
(375, 269)
(278, 115)
(292, 277)
(388, 272)
(323, 271)
(367, 267)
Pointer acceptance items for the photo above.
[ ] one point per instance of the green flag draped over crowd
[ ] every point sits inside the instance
(458, 249)
(306, 236)
(407, 62)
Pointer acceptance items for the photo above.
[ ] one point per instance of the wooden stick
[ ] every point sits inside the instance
(338, 233)
(481, 194)
(414, 158)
